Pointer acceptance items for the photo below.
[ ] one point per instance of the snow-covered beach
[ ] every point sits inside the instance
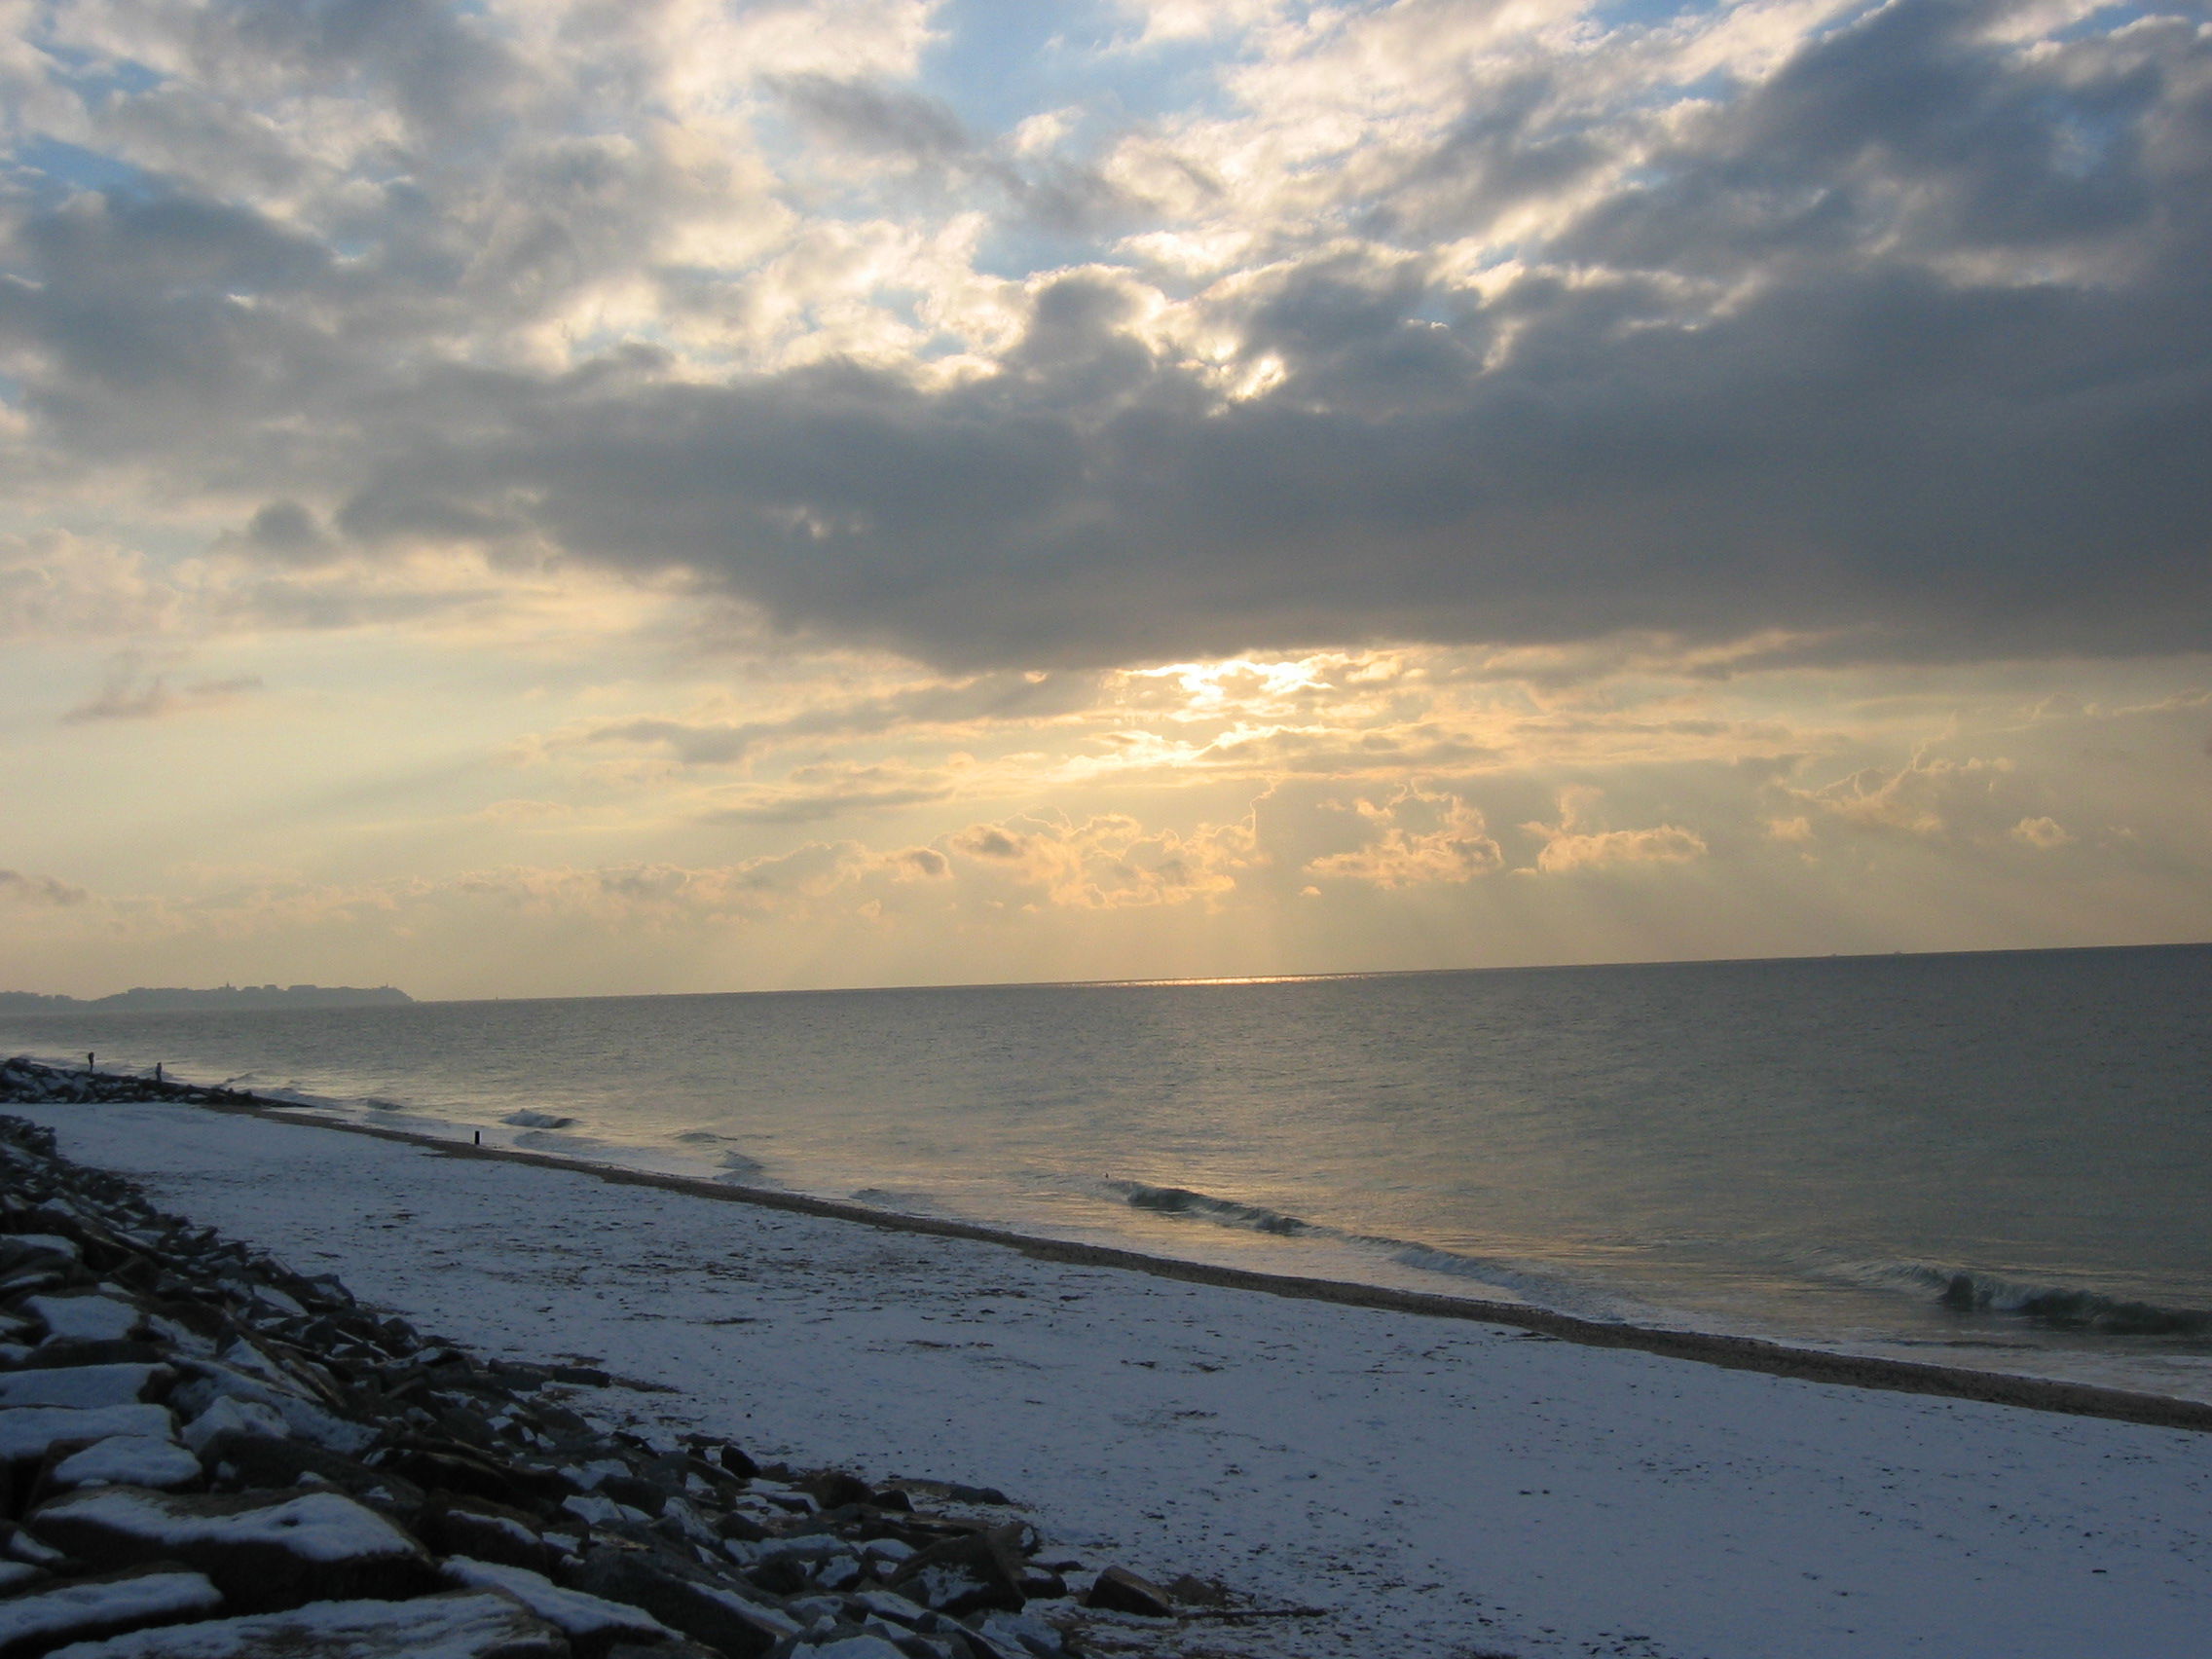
(1438, 1487)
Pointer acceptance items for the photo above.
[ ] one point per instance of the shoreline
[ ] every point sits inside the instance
(1727, 1352)
(1422, 1485)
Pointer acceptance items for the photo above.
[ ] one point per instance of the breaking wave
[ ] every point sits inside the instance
(1182, 1201)
(1512, 1279)
(538, 1120)
(2055, 1307)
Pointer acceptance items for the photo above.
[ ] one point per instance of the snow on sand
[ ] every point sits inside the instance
(1446, 1488)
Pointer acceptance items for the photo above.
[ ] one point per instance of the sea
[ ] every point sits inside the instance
(2001, 1160)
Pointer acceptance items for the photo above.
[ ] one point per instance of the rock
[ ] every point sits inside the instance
(1194, 1592)
(261, 1463)
(1039, 1585)
(861, 1647)
(227, 1418)
(90, 1317)
(890, 1605)
(283, 1383)
(91, 1609)
(961, 1576)
(84, 1388)
(302, 1417)
(457, 1468)
(688, 1602)
(28, 1433)
(265, 1551)
(124, 1459)
(460, 1625)
(54, 1354)
(453, 1525)
(591, 1623)
(1020, 1634)
(833, 1489)
(1121, 1591)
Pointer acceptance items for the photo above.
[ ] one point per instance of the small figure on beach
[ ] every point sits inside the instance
(157, 1071)
(90, 1064)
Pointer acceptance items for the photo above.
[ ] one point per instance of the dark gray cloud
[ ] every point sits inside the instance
(926, 135)
(989, 697)
(888, 120)
(850, 796)
(1908, 345)
(17, 888)
(138, 687)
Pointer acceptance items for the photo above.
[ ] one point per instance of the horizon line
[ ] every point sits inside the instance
(1175, 981)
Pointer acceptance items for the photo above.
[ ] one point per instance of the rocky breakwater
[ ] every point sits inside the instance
(204, 1454)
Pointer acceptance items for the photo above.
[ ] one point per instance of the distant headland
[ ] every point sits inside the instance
(172, 999)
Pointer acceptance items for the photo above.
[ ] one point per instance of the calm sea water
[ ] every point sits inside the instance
(1997, 1160)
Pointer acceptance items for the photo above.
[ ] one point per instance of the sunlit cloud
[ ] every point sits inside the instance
(1454, 846)
(934, 490)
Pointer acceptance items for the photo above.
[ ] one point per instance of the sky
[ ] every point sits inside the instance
(528, 497)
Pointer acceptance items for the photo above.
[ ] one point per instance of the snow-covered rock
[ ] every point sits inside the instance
(128, 1460)
(226, 1414)
(91, 1609)
(210, 1382)
(91, 1317)
(264, 1550)
(86, 1387)
(591, 1623)
(29, 1432)
(460, 1625)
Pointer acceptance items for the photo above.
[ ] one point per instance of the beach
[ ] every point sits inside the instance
(1384, 1481)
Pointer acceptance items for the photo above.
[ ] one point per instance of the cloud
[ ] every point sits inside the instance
(2046, 834)
(522, 811)
(982, 699)
(1570, 845)
(1662, 843)
(813, 795)
(1427, 836)
(1716, 329)
(16, 888)
(1931, 797)
(137, 687)
(1112, 862)
(55, 584)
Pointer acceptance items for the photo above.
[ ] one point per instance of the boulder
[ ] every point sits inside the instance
(256, 1462)
(123, 1459)
(1121, 1591)
(84, 1388)
(232, 1419)
(457, 1468)
(265, 1551)
(28, 1433)
(91, 1317)
(591, 1623)
(89, 1609)
(460, 1625)
(866, 1646)
(688, 1602)
(454, 1525)
(961, 1576)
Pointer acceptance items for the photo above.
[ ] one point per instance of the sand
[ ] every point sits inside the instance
(1439, 1486)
